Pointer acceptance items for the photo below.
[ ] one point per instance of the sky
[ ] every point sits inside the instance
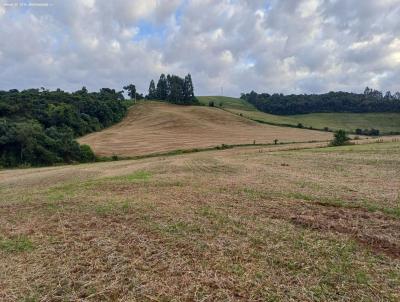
(274, 46)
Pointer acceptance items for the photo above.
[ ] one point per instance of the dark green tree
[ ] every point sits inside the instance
(188, 88)
(152, 91)
(176, 90)
(162, 88)
(340, 138)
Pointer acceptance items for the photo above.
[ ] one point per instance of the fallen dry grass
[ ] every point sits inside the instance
(152, 127)
(245, 224)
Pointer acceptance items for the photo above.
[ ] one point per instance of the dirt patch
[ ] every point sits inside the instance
(376, 231)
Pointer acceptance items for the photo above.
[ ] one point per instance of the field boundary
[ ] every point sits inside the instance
(232, 146)
(197, 150)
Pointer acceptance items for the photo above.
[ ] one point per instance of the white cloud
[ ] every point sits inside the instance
(273, 46)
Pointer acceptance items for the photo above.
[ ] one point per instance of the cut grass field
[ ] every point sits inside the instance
(245, 224)
(385, 122)
(154, 127)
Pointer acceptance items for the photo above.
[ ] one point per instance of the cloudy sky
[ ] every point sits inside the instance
(289, 46)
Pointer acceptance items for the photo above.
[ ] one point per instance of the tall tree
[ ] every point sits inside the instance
(176, 89)
(188, 88)
(162, 88)
(152, 91)
(131, 90)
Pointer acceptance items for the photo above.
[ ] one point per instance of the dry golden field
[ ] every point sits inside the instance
(153, 127)
(244, 224)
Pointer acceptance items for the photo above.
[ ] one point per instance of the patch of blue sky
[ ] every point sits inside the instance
(149, 29)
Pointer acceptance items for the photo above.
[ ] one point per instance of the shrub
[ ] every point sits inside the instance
(372, 132)
(211, 104)
(340, 138)
(87, 154)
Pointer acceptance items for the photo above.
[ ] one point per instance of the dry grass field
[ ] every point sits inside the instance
(153, 127)
(244, 224)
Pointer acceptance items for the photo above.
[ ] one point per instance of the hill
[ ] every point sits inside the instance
(246, 224)
(226, 102)
(387, 123)
(152, 127)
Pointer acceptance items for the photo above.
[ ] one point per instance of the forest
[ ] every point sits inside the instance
(369, 101)
(39, 127)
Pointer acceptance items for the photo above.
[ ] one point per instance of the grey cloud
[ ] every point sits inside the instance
(274, 46)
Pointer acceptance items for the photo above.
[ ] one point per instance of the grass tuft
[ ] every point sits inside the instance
(16, 245)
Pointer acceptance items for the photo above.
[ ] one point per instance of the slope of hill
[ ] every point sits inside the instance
(226, 102)
(152, 127)
(387, 123)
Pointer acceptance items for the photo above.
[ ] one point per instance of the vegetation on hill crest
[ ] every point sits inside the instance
(39, 127)
(370, 101)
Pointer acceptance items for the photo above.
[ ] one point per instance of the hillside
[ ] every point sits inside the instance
(152, 127)
(226, 102)
(387, 123)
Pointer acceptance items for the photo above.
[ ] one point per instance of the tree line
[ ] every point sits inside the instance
(369, 101)
(170, 88)
(173, 89)
(39, 127)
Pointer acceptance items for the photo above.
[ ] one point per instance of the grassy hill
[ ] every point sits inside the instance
(385, 122)
(248, 224)
(227, 102)
(153, 127)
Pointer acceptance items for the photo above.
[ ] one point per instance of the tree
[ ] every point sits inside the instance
(162, 88)
(173, 89)
(131, 90)
(176, 89)
(340, 138)
(188, 88)
(152, 91)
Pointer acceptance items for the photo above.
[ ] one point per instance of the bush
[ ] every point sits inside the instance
(87, 154)
(211, 104)
(372, 132)
(340, 138)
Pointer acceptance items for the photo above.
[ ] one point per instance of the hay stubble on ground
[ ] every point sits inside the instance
(154, 127)
(246, 224)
